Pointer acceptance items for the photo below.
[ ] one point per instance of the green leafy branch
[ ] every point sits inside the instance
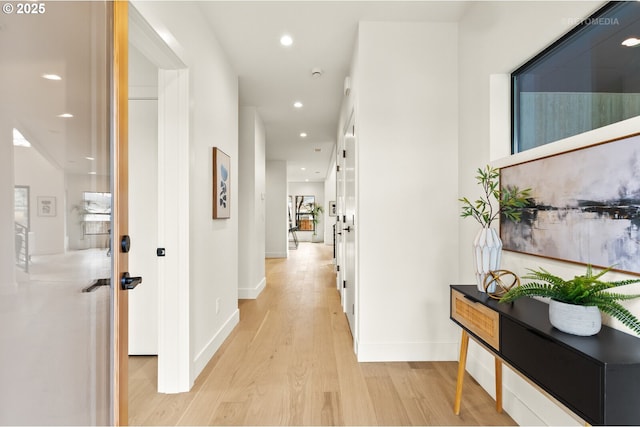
(511, 200)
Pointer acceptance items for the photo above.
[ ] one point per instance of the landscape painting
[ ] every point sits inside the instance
(584, 206)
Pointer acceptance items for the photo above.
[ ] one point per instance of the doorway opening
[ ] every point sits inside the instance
(159, 144)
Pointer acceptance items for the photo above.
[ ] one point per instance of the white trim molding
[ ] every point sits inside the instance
(252, 293)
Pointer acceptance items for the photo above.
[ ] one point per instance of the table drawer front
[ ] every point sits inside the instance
(477, 318)
(571, 378)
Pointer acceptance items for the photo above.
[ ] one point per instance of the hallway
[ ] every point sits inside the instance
(290, 361)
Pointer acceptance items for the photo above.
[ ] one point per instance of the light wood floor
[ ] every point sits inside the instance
(290, 361)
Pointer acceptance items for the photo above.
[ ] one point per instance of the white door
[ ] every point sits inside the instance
(349, 230)
(143, 223)
(339, 220)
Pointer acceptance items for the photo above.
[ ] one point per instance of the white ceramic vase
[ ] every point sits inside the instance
(575, 319)
(487, 251)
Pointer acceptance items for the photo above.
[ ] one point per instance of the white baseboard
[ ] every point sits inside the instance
(205, 355)
(407, 352)
(252, 293)
(275, 255)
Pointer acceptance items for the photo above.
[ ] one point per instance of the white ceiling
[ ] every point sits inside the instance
(273, 77)
(33, 47)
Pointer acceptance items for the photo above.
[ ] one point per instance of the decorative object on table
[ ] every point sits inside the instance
(498, 282)
(590, 220)
(221, 184)
(576, 304)
(487, 246)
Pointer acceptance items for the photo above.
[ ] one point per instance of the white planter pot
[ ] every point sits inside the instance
(487, 251)
(575, 319)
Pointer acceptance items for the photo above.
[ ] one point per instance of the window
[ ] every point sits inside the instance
(304, 213)
(585, 80)
(21, 206)
(96, 212)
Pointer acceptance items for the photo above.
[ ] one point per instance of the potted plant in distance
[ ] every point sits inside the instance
(315, 213)
(495, 201)
(576, 304)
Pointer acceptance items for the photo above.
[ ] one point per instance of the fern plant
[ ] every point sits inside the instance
(586, 289)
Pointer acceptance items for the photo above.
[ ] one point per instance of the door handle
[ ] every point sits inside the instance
(348, 229)
(127, 282)
(95, 285)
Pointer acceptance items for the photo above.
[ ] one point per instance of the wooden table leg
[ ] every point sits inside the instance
(498, 384)
(462, 363)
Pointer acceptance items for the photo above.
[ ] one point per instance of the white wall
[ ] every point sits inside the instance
(496, 38)
(44, 179)
(213, 121)
(310, 189)
(406, 113)
(251, 199)
(277, 223)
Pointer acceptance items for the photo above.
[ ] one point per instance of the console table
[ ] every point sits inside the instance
(597, 377)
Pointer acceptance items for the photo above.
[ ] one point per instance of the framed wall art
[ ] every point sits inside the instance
(221, 184)
(585, 206)
(46, 206)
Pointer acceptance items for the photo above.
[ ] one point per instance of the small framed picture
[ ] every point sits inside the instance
(46, 206)
(221, 184)
(332, 209)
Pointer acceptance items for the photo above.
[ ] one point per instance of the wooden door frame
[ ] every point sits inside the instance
(120, 224)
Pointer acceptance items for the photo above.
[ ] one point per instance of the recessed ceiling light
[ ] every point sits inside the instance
(90, 158)
(65, 115)
(286, 40)
(303, 169)
(631, 42)
(303, 135)
(51, 77)
(92, 173)
(297, 104)
(306, 180)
